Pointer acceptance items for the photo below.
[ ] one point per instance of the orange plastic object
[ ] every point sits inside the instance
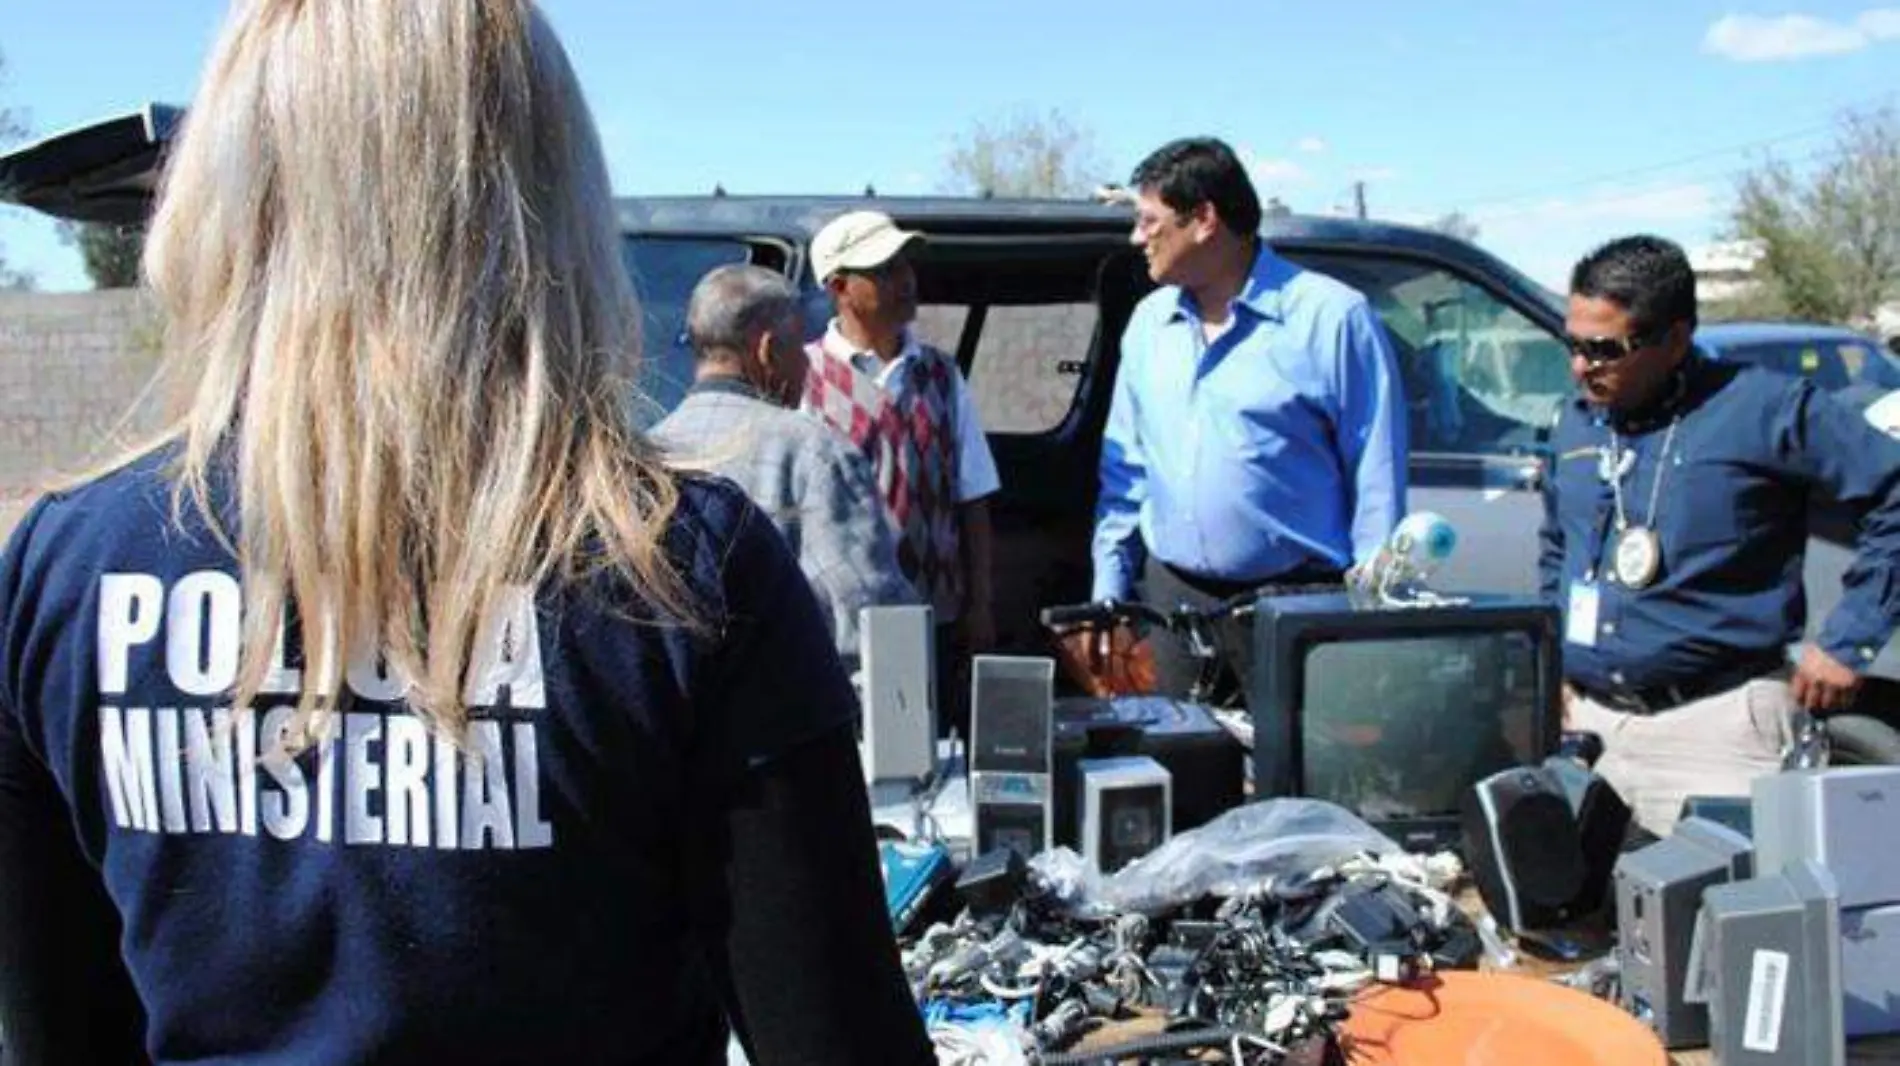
(1461, 1018)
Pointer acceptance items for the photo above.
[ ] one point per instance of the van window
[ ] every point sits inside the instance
(664, 271)
(1480, 376)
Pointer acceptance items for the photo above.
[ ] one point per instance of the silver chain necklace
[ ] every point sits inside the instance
(1638, 548)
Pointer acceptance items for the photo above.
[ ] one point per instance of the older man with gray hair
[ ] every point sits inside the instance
(740, 421)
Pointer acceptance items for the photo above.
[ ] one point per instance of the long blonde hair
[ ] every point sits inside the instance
(385, 248)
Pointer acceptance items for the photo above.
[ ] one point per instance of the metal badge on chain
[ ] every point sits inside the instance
(1638, 548)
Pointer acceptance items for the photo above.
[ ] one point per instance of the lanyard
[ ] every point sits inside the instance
(1610, 513)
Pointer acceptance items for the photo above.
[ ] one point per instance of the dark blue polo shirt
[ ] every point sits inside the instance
(385, 897)
(1751, 452)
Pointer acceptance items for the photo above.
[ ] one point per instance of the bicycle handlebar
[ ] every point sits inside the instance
(1107, 612)
(1103, 612)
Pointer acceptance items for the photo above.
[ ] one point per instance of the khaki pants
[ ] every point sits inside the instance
(1714, 746)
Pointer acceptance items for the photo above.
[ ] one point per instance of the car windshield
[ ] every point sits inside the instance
(664, 271)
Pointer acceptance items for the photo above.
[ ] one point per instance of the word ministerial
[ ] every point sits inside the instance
(191, 766)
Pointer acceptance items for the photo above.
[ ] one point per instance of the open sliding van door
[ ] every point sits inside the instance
(104, 171)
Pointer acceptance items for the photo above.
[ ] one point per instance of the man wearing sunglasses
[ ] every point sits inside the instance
(1256, 433)
(1676, 520)
(906, 405)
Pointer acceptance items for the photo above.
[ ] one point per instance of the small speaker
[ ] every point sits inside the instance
(1011, 751)
(1127, 806)
(1603, 822)
(1766, 958)
(1524, 848)
(1658, 894)
(899, 695)
(1010, 707)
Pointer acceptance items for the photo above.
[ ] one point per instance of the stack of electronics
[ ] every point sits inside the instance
(1204, 764)
(1112, 778)
(1844, 819)
(1768, 928)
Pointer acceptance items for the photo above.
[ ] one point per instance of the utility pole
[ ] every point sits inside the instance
(1359, 199)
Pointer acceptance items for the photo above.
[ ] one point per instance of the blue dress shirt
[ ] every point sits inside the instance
(1278, 445)
(1752, 450)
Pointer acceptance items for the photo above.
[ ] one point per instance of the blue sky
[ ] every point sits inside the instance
(1554, 130)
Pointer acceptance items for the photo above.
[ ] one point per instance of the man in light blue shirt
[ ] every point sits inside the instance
(1257, 431)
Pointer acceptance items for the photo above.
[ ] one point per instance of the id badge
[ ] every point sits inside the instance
(1580, 621)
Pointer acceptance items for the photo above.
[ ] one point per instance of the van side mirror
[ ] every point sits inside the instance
(1893, 344)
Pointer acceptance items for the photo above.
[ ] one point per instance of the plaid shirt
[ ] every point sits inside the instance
(810, 481)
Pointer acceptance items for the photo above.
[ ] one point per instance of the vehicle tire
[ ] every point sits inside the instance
(1862, 740)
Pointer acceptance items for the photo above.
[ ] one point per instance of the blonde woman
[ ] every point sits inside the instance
(399, 705)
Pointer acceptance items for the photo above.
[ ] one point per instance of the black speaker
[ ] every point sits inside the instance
(1010, 714)
(1524, 849)
(1603, 822)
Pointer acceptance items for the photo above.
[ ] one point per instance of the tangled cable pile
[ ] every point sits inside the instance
(1261, 978)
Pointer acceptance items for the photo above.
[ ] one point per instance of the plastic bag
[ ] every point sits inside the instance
(1241, 851)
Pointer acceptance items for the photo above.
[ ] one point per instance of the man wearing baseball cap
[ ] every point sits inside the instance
(907, 406)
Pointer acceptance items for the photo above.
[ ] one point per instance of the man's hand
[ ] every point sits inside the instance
(1107, 662)
(1821, 683)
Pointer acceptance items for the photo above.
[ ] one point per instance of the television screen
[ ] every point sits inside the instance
(1398, 728)
(1393, 713)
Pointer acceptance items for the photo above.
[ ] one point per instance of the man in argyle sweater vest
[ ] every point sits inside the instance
(908, 408)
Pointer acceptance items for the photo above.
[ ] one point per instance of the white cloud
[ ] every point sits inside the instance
(1273, 174)
(1311, 145)
(1764, 38)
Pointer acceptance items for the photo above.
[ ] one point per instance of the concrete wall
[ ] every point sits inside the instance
(72, 366)
(76, 374)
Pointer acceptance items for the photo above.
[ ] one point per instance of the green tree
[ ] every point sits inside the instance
(1830, 237)
(1026, 154)
(111, 253)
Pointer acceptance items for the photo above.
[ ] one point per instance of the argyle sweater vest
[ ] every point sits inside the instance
(908, 432)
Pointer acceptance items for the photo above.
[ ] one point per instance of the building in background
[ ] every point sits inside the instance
(1725, 270)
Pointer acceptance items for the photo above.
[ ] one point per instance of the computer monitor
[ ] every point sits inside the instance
(1394, 712)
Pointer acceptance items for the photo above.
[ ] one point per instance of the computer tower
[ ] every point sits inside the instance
(1207, 764)
(1658, 895)
(1010, 753)
(1766, 957)
(1844, 818)
(1127, 808)
(899, 696)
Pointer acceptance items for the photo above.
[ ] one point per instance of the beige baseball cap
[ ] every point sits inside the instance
(857, 240)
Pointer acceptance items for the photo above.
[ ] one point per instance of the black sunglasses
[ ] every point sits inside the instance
(1610, 349)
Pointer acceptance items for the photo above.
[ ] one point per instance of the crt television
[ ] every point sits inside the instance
(1394, 712)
